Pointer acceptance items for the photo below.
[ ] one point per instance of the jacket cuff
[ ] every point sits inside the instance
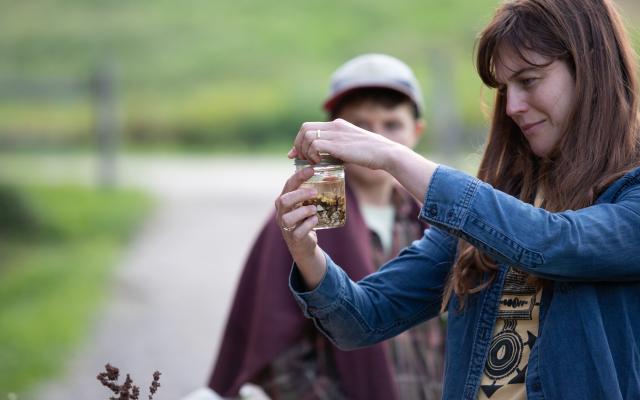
(322, 299)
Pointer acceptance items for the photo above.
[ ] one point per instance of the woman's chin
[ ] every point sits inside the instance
(539, 149)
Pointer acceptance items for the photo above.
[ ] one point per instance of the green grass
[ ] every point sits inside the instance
(52, 278)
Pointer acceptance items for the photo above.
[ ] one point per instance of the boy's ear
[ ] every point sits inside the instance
(420, 128)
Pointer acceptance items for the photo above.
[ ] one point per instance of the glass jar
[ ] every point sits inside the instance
(328, 180)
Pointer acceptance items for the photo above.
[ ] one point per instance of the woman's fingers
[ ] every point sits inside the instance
(293, 153)
(288, 205)
(309, 133)
(295, 217)
(307, 146)
(314, 138)
(296, 180)
(303, 229)
(299, 141)
(344, 141)
(294, 199)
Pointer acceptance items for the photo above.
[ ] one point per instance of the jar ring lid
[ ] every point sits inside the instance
(325, 159)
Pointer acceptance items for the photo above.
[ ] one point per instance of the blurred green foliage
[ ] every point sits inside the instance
(17, 217)
(218, 73)
(226, 73)
(52, 278)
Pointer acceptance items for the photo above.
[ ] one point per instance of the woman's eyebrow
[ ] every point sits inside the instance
(517, 73)
(523, 71)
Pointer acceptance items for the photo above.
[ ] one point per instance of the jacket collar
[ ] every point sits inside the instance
(629, 179)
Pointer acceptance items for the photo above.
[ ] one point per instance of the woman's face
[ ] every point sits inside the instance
(538, 98)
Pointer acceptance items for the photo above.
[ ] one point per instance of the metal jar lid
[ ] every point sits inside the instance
(325, 159)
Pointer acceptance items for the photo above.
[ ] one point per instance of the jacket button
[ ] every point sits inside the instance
(433, 210)
(536, 386)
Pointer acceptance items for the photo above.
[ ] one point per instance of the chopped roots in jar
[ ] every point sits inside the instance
(330, 204)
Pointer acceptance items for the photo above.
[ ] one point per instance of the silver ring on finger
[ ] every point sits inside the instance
(318, 134)
(288, 228)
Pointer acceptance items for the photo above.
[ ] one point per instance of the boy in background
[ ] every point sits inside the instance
(267, 341)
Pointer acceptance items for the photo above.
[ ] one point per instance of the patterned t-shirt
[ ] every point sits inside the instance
(514, 335)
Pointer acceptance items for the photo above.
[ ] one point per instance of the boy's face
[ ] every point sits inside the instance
(397, 124)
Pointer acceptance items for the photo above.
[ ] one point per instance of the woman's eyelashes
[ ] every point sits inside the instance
(527, 82)
(524, 83)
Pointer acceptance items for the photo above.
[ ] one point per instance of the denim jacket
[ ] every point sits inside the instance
(589, 334)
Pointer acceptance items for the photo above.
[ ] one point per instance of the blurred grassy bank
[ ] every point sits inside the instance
(58, 248)
(224, 75)
(220, 75)
(216, 74)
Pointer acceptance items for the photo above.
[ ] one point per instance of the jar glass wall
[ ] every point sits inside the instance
(328, 180)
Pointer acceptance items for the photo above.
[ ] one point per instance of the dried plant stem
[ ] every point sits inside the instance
(126, 391)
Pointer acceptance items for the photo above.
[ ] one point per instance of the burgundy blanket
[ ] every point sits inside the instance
(265, 319)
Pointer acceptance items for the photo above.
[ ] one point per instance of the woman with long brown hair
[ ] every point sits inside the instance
(537, 260)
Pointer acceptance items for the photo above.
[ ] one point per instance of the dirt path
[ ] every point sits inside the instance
(170, 296)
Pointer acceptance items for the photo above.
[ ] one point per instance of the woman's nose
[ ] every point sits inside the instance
(516, 102)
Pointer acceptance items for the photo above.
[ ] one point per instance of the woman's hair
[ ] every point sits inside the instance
(600, 141)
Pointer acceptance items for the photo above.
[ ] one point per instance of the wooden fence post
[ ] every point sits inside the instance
(103, 89)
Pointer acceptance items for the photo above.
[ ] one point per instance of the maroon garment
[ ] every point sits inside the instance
(265, 319)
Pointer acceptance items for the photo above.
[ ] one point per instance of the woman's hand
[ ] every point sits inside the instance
(352, 144)
(296, 224)
(344, 141)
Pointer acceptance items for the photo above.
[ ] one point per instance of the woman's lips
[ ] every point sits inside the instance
(527, 128)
